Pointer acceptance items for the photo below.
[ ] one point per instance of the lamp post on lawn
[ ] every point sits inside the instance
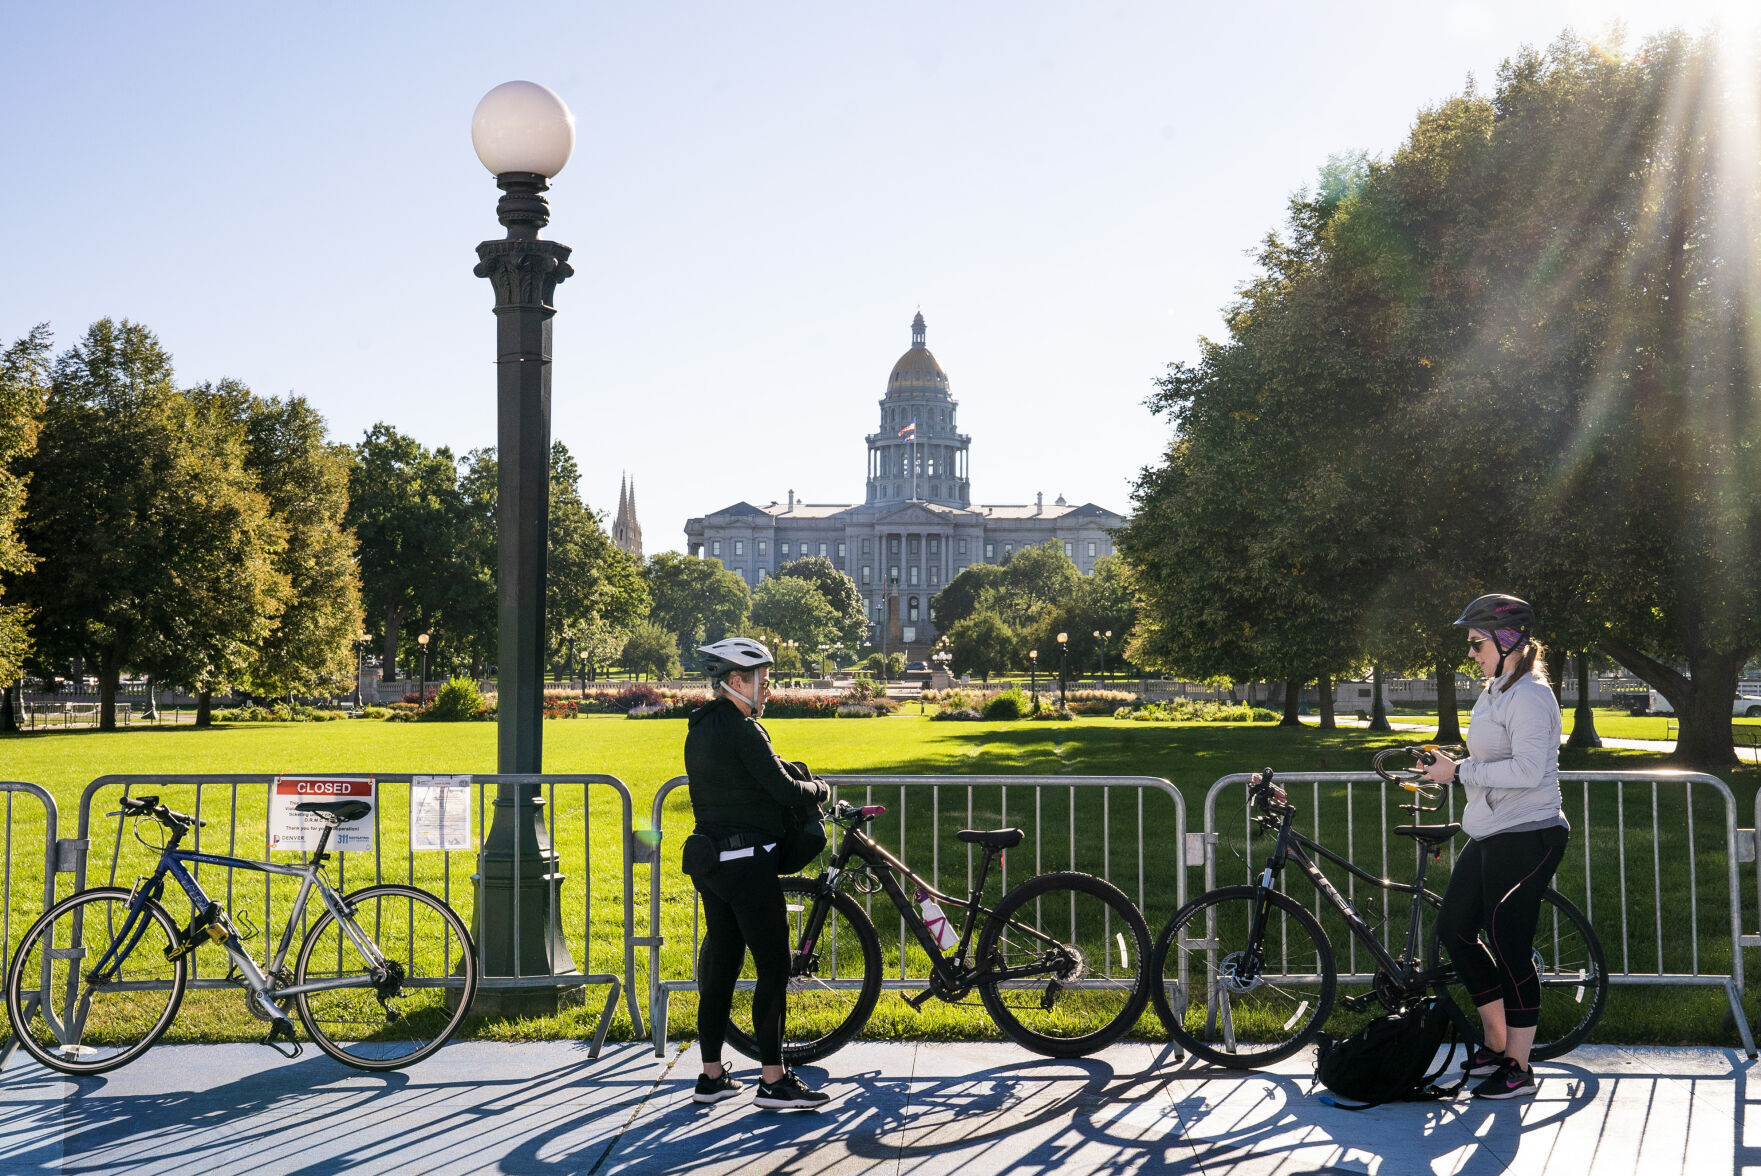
(524, 135)
(1103, 638)
(583, 674)
(1033, 676)
(1063, 648)
(422, 689)
(360, 666)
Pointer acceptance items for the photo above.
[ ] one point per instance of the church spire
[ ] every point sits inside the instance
(626, 532)
(917, 330)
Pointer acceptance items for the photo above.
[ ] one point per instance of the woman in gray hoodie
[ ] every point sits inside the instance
(1518, 833)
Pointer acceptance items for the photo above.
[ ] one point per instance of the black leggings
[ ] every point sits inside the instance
(743, 908)
(1496, 888)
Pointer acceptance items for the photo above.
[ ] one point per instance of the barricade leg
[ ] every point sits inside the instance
(657, 1019)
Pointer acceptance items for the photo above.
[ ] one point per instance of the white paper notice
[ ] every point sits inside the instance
(291, 829)
(440, 812)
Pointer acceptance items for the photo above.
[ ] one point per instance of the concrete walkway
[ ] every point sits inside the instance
(930, 1108)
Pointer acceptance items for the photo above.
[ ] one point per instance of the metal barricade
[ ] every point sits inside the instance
(1691, 935)
(1158, 878)
(236, 806)
(16, 916)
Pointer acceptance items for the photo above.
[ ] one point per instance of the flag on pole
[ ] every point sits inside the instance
(909, 430)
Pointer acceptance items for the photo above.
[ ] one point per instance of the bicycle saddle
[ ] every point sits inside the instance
(1430, 834)
(336, 810)
(995, 838)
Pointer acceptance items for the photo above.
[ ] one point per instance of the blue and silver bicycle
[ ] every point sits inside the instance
(382, 978)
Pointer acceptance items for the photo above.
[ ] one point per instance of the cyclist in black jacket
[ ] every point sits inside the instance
(740, 793)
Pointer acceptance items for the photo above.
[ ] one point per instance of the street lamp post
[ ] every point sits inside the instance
(360, 666)
(1063, 648)
(422, 689)
(583, 673)
(1103, 638)
(524, 135)
(1033, 676)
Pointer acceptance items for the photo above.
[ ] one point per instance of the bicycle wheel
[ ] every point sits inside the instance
(834, 981)
(1574, 979)
(68, 1022)
(431, 978)
(1082, 946)
(1236, 1004)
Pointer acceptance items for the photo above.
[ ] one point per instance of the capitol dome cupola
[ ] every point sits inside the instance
(918, 454)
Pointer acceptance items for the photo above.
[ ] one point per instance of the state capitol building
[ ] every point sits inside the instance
(917, 528)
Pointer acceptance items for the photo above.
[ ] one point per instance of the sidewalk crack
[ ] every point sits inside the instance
(660, 1079)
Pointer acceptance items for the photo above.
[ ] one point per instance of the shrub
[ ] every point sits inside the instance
(957, 699)
(457, 701)
(635, 695)
(959, 714)
(1056, 714)
(801, 704)
(855, 710)
(864, 689)
(1010, 704)
(561, 708)
(1191, 710)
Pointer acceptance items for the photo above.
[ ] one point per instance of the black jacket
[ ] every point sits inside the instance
(737, 782)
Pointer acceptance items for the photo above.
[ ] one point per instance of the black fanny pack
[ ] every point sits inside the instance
(701, 853)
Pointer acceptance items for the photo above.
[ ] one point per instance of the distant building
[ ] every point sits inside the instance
(626, 532)
(917, 528)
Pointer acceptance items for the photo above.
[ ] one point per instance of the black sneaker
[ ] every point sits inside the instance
(1508, 1081)
(1482, 1062)
(789, 1094)
(713, 1090)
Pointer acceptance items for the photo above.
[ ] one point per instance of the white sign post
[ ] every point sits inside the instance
(440, 812)
(293, 830)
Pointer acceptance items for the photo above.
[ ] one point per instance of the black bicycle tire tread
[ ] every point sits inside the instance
(1120, 1025)
(15, 1011)
(1176, 1027)
(469, 956)
(872, 966)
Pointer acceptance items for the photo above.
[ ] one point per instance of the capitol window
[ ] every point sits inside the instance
(762, 573)
(990, 551)
(762, 545)
(893, 545)
(960, 546)
(843, 550)
(867, 546)
(782, 549)
(822, 551)
(911, 609)
(866, 570)
(715, 547)
(1091, 549)
(1069, 548)
(739, 547)
(935, 545)
(914, 570)
(934, 575)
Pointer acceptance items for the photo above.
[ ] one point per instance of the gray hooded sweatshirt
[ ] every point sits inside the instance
(1512, 770)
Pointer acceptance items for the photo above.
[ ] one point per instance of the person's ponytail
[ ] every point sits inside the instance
(1531, 659)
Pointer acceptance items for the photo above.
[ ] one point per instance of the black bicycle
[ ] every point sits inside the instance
(1059, 962)
(382, 978)
(1245, 976)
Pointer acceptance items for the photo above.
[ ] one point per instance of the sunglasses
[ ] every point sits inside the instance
(1475, 643)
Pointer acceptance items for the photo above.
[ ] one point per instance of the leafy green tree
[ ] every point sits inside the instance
(1032, 579)
(982, 644)
(971, 590)
(24, 387)
(794, 610)
(840, 593)
(696, 600)
(651, 649)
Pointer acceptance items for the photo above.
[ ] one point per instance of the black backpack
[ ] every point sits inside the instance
(1388, 1060)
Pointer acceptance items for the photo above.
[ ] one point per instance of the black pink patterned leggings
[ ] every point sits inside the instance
(1496, 890)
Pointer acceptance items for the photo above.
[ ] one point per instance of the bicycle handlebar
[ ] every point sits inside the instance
(149, 806)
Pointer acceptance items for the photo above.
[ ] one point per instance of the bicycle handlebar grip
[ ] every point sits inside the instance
(873, 810)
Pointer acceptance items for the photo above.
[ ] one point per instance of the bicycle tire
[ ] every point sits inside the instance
(435, 990)
(832, 1020)
(1004, 942)
(1299, 939)
(1568, 957)
(129, 1016)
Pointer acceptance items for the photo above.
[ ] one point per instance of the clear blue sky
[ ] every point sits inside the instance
(761, 196)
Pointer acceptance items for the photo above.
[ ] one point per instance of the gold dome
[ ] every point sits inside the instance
(918, 365)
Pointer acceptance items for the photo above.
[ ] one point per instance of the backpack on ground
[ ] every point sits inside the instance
(1388, 1060)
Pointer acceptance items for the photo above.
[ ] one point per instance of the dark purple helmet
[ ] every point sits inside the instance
(1506, 618)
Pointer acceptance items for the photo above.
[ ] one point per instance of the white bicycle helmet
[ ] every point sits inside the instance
(733, 653)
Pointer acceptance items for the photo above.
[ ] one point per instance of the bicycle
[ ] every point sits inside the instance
(1265, 985)
(376, 1000)
(1058, 951)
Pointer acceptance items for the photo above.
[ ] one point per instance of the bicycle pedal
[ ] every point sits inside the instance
(1356, 1004)
(282, 1032)
(917, 1002)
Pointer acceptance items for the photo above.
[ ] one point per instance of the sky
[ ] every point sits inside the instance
(760, 198)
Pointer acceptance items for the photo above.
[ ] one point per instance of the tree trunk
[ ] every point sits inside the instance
(109, 674)
(388, 654)
(8, 710)
(1324, 693)
(1583, 723)
(1701, 699)
(1378, 707)
(1448, 713)
(204, 708)
(1292, 701)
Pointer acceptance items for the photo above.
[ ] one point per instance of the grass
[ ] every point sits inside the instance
(1069, 827)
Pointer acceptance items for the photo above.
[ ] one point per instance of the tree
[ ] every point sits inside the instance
(982, 644)
(967, 593)
(840, 593)
(407, 513)
(651, 649)
(1033, 578)
(794, 610)
(592, 586)
(24, 387)
(696, 600)
(157, 550)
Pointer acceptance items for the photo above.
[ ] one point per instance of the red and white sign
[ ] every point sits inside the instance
(291, 829)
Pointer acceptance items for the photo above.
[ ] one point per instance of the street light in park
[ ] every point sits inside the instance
(1063, 648)
(524, 135)
(422, 689)
(583, 672)
(360, 666)
(1033, 676)
(1103, 638)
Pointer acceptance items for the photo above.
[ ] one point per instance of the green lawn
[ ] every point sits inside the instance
(1069, 827)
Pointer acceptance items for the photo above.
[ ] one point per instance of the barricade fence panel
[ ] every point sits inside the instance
(1652, 862)
(1127, 829)
(29, 827)
(588, 818)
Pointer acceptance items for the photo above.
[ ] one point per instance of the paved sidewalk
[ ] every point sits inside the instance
(929, 1108)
